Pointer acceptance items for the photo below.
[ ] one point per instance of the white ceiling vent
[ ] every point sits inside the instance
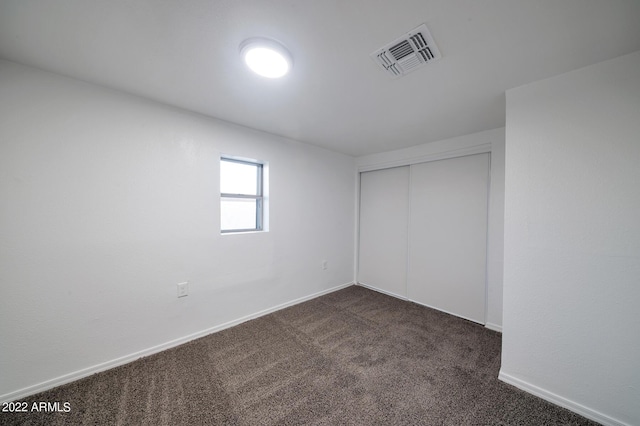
(405, 54)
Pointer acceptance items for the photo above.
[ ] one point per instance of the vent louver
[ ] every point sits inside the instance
(407, 53)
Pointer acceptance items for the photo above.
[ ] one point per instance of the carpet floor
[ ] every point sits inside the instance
(352, 357)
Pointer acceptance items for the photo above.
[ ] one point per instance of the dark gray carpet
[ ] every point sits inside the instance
(353, 357)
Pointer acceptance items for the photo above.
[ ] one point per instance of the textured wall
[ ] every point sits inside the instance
(109, 201)
(572, 240)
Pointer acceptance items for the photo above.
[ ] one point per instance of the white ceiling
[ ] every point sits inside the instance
(185, 53)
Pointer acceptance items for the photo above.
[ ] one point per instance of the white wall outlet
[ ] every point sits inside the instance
(183, 289)
(325, 265)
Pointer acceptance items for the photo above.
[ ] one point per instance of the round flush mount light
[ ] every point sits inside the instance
(266, 57)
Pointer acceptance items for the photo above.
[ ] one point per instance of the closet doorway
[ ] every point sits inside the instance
(423, 233)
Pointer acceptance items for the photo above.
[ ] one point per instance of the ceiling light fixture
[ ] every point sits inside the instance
(266, 57)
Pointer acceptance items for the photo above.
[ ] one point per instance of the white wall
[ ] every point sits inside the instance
(495, 237)
(109, 201)
(572, 240)
(487, 141)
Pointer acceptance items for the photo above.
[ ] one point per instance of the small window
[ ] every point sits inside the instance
(241, 195)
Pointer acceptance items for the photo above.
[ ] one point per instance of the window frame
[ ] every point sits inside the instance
(258, 197)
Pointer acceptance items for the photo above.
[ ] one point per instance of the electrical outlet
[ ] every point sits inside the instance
(325, 265)
(183, 289)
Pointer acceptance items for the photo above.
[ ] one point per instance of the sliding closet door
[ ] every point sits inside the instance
(384, 204)
(448, 235)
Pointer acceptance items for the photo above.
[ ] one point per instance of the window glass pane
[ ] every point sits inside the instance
(238, 213)
(238, 178)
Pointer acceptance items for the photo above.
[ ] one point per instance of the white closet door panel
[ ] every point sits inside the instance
(448, 235)
(384, 215)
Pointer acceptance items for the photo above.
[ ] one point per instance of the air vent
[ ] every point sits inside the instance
(407, 53)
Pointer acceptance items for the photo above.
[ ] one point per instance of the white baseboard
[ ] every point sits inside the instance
(494, 327)
(388, 293)
(76, 375)
(561, 401)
